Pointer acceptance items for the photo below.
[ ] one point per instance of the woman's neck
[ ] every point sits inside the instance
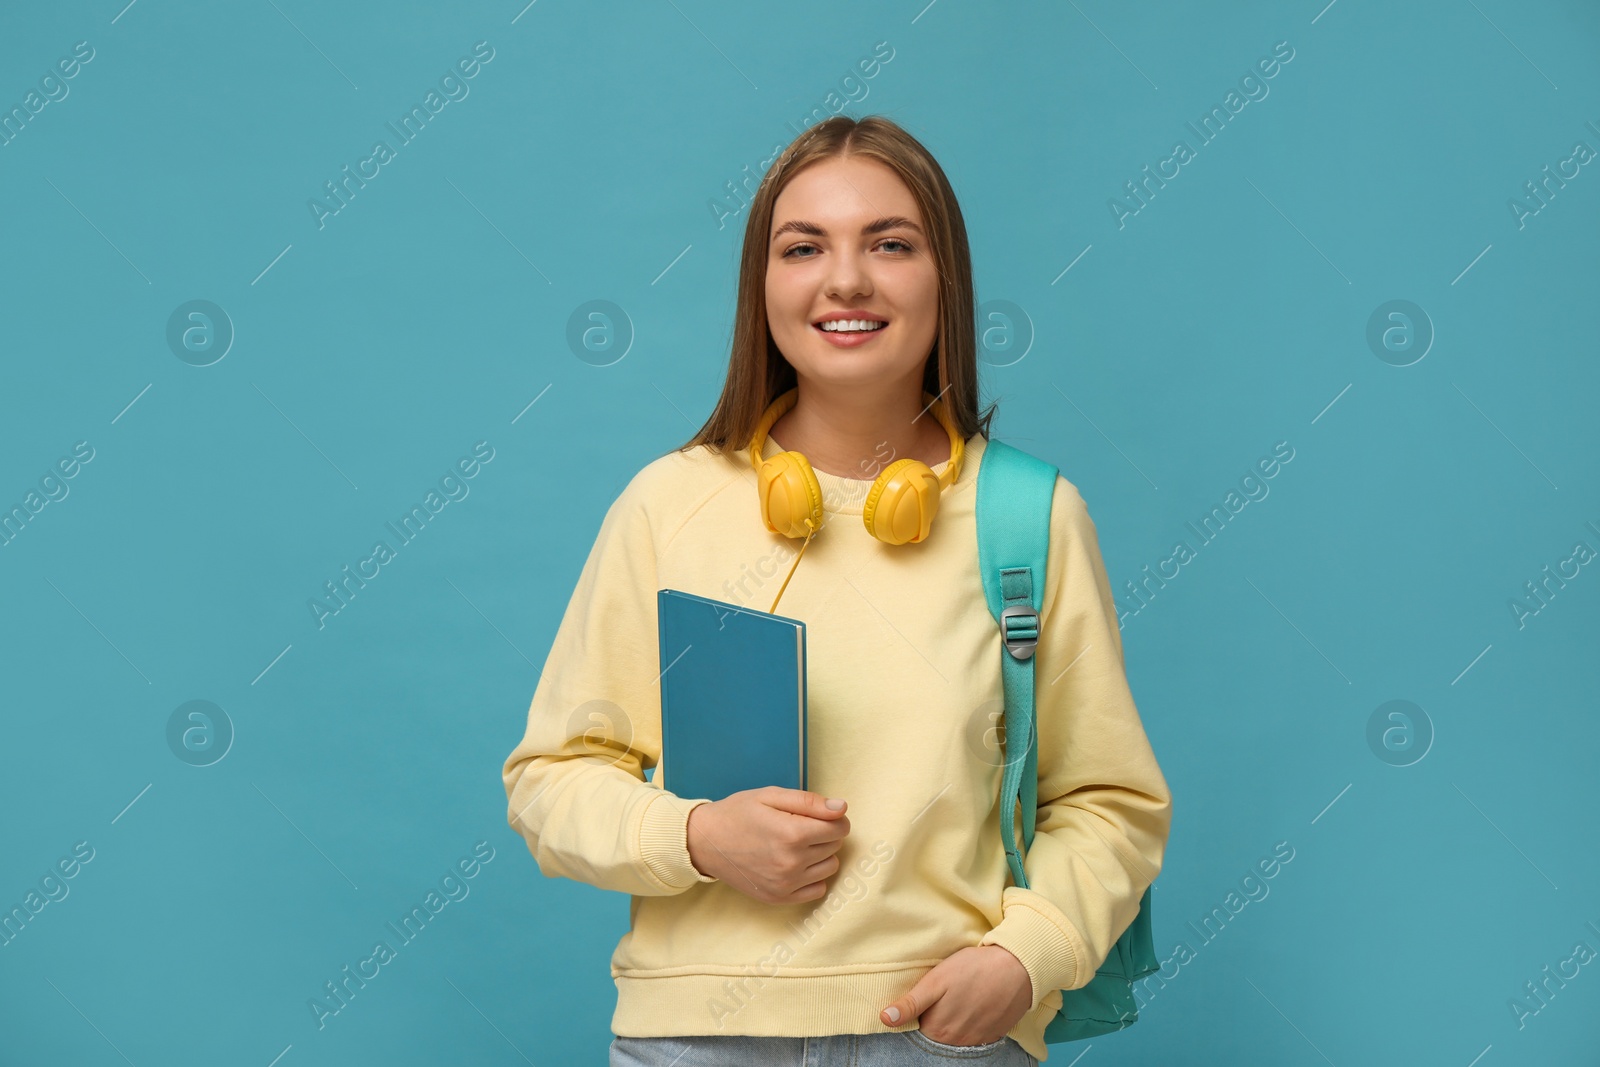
(858, 439)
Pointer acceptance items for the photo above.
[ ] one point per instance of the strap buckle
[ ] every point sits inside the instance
(1019, 623)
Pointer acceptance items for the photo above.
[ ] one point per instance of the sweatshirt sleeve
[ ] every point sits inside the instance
(1104, 809)
(575, 783)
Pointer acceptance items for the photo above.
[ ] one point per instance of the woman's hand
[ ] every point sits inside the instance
(971, 997)
(772, 844)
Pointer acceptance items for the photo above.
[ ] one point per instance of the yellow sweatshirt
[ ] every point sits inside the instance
(904, 693)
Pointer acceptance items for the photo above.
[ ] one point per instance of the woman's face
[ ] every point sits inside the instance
(848, 237)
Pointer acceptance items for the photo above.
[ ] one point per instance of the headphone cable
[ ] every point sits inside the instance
(810, 533)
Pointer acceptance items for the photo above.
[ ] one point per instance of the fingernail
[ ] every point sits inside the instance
(893, 1013)
(835, 804)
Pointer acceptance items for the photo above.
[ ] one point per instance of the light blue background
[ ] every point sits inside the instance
(1230, 313)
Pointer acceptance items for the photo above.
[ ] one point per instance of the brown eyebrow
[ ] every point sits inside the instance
(888, 222)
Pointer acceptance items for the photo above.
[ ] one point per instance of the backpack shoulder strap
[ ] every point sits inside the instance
(1015, 491)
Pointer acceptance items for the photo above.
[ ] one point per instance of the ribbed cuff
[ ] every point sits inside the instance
(664, 841)
(1039, 940)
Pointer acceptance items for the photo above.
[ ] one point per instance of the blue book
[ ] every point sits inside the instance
(733, 697)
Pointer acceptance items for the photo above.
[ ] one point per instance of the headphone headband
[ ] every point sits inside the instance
(785, 402)
(898, 508)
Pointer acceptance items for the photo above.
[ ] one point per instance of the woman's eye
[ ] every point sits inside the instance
(902, 247)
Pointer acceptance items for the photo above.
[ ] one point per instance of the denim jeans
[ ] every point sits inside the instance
(900, 1048)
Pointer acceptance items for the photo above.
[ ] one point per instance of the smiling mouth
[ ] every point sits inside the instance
(849, 326)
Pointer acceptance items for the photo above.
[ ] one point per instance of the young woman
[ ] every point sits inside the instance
(869, 918)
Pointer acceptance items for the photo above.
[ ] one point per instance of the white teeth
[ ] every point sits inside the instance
(852, 325)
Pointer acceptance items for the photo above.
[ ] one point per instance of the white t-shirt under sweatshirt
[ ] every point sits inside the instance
(904, 705)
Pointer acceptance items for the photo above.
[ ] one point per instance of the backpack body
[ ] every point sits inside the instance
(1015, 491)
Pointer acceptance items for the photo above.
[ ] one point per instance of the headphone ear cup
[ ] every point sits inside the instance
(902, 503)
(790, 494)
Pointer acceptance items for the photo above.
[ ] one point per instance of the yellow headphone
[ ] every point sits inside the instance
(899, 507)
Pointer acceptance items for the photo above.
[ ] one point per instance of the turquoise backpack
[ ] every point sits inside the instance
(1015, 491)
